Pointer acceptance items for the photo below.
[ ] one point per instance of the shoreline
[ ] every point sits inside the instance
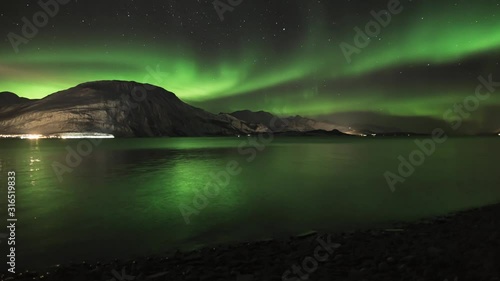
(459, 246)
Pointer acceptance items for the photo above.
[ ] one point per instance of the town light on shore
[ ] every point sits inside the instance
(31, 137)
(90, 135)
(86, 137)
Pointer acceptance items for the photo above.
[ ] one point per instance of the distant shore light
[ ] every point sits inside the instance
(88, 135)
(31, 137)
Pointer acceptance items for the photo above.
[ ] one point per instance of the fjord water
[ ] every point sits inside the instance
(124, 198)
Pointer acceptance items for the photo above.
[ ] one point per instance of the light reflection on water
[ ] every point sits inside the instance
(124, 198)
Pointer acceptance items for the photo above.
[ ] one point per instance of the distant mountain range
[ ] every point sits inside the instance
(118, 108)
(287, 124)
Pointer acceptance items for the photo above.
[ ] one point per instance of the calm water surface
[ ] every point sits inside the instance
(123, 199)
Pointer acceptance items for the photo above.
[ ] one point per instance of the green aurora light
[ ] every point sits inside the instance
(418, 37)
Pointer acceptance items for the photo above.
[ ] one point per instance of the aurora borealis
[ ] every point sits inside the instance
(279, 56)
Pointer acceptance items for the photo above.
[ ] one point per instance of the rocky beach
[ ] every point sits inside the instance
(455, 247)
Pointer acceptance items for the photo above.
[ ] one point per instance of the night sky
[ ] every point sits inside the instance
(282, 56)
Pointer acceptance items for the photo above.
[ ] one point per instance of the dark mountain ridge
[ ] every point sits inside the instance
(284, 124)
(123, 109)
(9, 99)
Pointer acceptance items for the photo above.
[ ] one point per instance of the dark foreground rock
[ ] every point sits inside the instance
(464, 246)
